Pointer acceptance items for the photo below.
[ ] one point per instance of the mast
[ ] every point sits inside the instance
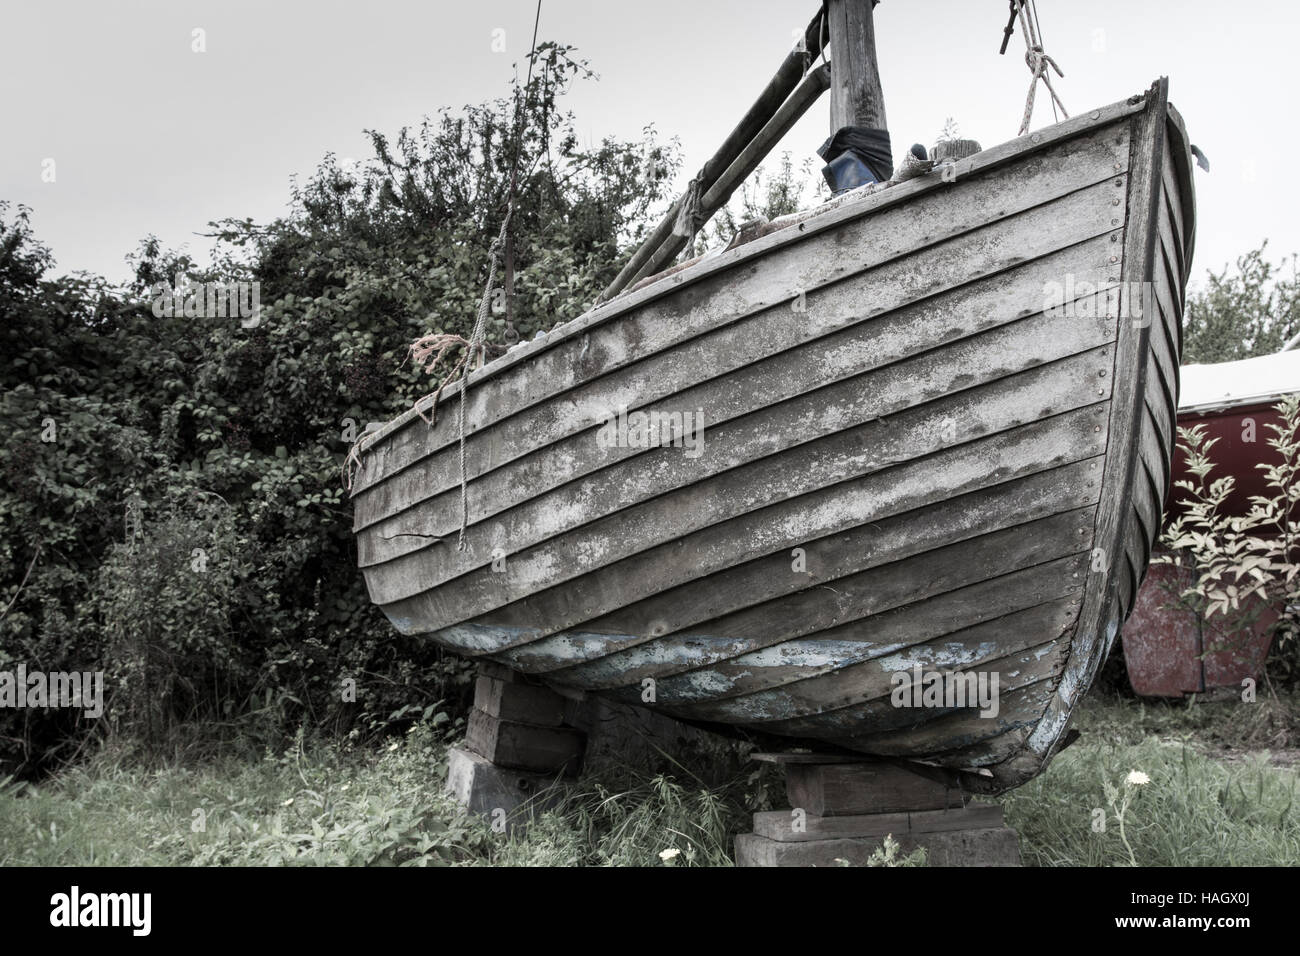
(856, 95)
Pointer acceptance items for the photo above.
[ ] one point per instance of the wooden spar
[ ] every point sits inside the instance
(751, 124)
(813, 86)
(856, 95)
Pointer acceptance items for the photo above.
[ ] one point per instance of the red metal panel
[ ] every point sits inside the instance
(1169, 652)
(1162, 646)
(1242, 444)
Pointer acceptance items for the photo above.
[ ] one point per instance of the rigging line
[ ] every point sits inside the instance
(1042, 42)
(480, 323)
(1038, 62)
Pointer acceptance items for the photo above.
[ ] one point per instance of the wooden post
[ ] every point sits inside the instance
(856, 96)
(812, 87)
(765, 107)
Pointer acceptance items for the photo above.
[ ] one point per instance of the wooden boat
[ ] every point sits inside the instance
(911, 457)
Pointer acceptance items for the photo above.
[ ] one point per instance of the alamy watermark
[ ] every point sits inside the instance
(23, 688)
(947, 689)
(209, 300)
(1078, 298)
(653, 429)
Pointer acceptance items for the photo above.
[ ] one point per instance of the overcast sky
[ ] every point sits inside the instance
(148, 136)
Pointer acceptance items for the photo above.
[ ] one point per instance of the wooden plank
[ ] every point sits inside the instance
(823, 425)
(1100, 615)
(948, 473)
(856, 95)
(874, 714)
(733, 604)
(802, 703)
(785, 826)
(956, 731)
(708, 508)
(921, 599)
(1109, 120)
(520, 702)
(825, 790)
(787, 757)
(508, 743)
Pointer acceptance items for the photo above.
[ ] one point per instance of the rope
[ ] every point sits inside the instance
(477, 337)
(476, 345)
(423, 349)
(689, 219)
(1038, 63)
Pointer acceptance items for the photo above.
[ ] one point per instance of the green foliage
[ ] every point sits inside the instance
(768, 196)
(1193, 811)
(1245, 313)
(233, 439)
(1238, 566)
(341, 802)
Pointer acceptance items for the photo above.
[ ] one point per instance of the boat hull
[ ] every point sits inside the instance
(928, 431)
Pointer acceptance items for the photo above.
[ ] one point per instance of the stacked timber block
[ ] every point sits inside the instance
(518, 743)
(842, 809)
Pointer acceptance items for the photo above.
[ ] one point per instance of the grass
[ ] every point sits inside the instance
(327, 804)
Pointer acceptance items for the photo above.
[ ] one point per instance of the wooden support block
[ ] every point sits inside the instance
(525, 703)
(854, 788)
(509, 796)
(987, 846)
(786, 826)
(499, 672)
(509, 743)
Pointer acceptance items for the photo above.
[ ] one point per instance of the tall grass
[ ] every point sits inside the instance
(322, 803)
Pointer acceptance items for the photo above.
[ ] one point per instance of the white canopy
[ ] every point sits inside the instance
(1247, 382)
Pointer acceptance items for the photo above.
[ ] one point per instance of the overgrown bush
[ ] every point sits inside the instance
(1238, 568)
(231, 439)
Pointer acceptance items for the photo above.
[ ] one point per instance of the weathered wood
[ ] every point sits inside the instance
(825, 790)
(499, 793)
(786, 826)
(783, 758)
(508, 743)
(741, 598)
(499, 672)
(856, 95)
(988, 846)
(489, 401)
(738, 457)
(1105, 607)
(519, 702)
